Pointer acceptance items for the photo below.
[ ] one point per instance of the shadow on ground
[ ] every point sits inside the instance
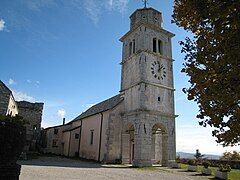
(58, 161)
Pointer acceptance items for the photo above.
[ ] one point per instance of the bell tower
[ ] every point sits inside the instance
(147, 86)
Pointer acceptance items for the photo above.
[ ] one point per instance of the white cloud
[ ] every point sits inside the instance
(29, 81)
(119, 5)
(2, 25)
(93, 10)
(61, 113)
(11, 81)
(20, 96)
(37, 5)
(110, 3)
(46, 124)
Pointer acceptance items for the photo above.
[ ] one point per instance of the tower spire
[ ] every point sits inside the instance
(145, 3)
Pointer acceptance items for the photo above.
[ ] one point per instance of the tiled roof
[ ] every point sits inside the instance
(101, 107)
(71, 129)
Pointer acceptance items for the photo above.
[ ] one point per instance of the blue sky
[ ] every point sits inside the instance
(66, 53)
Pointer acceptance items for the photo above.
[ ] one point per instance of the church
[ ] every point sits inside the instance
(137, 126)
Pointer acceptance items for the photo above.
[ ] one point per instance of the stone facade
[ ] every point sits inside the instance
(32, 113)
(8, 105)
(138, 125)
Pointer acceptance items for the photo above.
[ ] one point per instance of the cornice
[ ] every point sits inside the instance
(141, 111)
(149, 83)
(156, 28)
(146, 51)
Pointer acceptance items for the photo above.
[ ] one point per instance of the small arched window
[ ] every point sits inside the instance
(157, 46)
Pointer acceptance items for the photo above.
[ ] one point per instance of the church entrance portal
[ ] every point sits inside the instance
(159, 141)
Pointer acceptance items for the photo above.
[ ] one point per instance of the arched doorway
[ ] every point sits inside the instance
(159, 145)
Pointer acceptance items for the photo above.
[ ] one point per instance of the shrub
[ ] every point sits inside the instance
(225, 168)
(206, 164)
(192, 162)
(12, 138)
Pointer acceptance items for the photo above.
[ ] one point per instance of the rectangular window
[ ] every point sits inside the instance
(76, 136)
(91, 137)
(154, 45)
(55, 131)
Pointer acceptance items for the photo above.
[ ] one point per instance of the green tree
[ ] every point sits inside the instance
(234, 155)
(212, 61)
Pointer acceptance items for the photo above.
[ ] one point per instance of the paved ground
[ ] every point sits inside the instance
(58, 168)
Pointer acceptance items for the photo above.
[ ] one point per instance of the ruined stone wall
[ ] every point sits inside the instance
(31, 112)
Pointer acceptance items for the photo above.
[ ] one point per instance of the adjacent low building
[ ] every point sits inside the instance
(8, 105)
(90, 135)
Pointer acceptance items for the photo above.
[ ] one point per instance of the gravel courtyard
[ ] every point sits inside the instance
(59, 168)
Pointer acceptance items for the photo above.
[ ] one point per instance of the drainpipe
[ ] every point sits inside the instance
(80, 136)
(100, 140)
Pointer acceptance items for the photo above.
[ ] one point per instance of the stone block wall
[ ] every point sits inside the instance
(31, 112)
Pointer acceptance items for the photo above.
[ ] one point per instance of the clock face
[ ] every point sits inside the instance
(158, 70)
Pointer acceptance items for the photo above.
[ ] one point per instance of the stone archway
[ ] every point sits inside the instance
(159, 145)
(128, 144)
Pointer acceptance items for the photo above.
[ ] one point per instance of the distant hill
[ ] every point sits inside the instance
(191, 155)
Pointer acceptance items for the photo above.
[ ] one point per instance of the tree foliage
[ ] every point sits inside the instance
(234, 155)
(212, 61)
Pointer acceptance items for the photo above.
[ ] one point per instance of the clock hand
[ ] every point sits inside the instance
(159, 69)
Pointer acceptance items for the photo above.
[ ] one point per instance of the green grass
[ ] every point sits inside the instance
(233, 175)
(145, 168)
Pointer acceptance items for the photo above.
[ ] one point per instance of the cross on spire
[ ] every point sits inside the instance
(145, 3)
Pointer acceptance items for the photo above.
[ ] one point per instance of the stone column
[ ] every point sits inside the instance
(165, 150)
(143, 146)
